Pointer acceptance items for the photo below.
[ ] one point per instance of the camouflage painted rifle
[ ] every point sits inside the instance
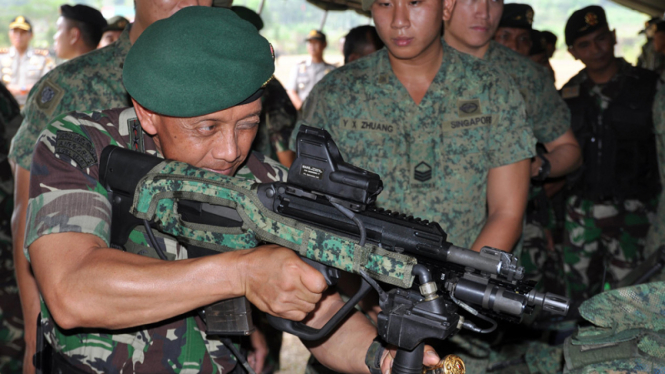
(324, 213)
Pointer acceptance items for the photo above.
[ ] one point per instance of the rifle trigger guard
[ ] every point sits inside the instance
(305, 332)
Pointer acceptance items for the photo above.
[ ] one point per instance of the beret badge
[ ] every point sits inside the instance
(591, 19)
(529, 16)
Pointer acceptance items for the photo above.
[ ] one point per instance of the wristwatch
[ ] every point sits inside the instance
(544, 170)
(373, 357)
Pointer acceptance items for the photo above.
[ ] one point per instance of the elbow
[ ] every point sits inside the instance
(65, 309)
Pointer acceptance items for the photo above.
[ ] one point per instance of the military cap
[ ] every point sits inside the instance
(22, 23)
(538, 43)
(248, 15)
(583, 22)
(316, 35)
(172, 70)
(116, 23)
(519, 16)
(85, 14)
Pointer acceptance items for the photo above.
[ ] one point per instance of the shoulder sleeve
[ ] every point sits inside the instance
(511, 138)
(65, 195)
(315, 111)
(551, 118)
(292, 83)
(43, 103)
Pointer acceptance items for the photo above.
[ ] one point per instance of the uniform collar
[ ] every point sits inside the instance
(123, 44)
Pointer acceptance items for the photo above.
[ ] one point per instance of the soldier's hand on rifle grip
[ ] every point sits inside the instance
(430, 358)
(278, 282)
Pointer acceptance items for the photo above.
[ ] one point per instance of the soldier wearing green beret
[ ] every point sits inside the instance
(515, 26)
(93, 80)
(116, 25)
(614, 194)
(106, 310)
(470, 29)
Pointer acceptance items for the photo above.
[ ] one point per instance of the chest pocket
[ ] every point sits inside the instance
(376, 146)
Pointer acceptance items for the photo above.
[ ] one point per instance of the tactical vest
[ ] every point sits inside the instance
(619, 145)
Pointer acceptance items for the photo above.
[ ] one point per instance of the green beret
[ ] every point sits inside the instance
(519, 16)
(199, 61)
(248, 15)
(583, 22)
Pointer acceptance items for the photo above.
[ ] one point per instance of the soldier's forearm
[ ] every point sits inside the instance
(85, 284)
(564, 155)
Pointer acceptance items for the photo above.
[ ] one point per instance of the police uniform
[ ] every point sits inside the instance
(93, 80)
(66, 187)
(434, 157)
(307, 73)
(24, 71)
(614, 194)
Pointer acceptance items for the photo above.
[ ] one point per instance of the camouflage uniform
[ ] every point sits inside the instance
(278, 118)
(550, 118)
(605, 235)
(656, 236)
(66, 197)
(91, 81)
(434, 157)
(628, 336)
(11, 319)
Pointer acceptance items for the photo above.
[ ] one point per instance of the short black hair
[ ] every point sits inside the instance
(91, 34)
(358, 37)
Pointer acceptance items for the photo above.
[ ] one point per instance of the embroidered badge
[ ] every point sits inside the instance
(529, 16)
(76, 147)
(468, 108)
(422, 172)
(47, 94)
(591, 19)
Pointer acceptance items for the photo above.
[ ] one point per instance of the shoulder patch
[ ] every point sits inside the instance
(570, 92)
(76, 147)
(49, 97)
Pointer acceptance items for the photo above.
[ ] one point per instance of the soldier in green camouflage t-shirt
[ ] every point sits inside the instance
(471, 31)
(446, 132)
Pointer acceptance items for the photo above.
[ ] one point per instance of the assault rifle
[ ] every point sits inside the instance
(326, 213)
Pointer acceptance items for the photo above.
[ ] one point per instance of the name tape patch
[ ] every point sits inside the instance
(369, 126)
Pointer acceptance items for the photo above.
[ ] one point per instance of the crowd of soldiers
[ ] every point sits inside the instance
(452, 103)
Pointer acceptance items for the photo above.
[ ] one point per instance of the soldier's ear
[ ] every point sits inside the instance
(74, 35)
(448, 7)
(146, 118)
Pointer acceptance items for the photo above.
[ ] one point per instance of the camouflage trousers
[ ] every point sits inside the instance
(11, 319)
(541, 263)
(602, 243)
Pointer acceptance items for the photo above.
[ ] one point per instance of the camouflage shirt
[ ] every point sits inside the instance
(65, 196)
(545, 109)
(656, 236)
(434, 158)
(91, 81)
(278, 118)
